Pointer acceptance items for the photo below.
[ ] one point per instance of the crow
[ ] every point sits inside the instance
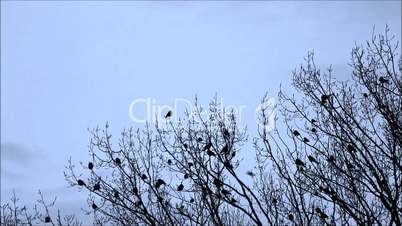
(185, 146)
(250, 173)
(208, 146)
(210, 153)
(383, 80)
(350, 148)
(324, 99)
(296, 133)
(299, 162)
(169, 161)
(311, 158)
(180, 187)
(47, 219)
(225, 132)
(117, 161)
(144, 177)
(159, 183)
(116, 194)
(218, 183)
(90, 165)
(135, 190)
(365, 95)
(225, 149)
(313, 121)
(168, 114)
(80, 182)
(306, 140)
(190, 164)
(96, 187)
(291, 217)
(139, 203)
(191, 200)
(314, 130)
(225, 192)
(331, 159)
(318, 210)
(199, 139)
(228, 165)
(94, 206)
(186, 176)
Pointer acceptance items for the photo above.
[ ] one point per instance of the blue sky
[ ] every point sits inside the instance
(68, 66)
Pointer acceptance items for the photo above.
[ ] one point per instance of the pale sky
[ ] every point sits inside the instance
(68, 66)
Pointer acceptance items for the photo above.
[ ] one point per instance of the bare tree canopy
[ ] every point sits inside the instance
(334, 159)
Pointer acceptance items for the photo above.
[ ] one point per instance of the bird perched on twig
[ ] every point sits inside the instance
(80, 182)
(250, 173)
(324, 98)
(96, 187)
(159, 183)
(311, 158)
(94, 206)
(180, 187)
(168, 114)
(90, 165)
(117, 161)
(296, 133)
(382, 80)
(299, 164)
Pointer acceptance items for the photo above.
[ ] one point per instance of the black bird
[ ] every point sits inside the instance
(210, 153)
(191, 200)
(139, 203)
(318, 210)
(250, 173)
(218, 183)
(169, 161)
(160, 199)
(313, 121)
(80, 182)
(168, 114)
(228, 165)
(365, 95)
(324, 99)
(350, 148)
(144, 177)
(306, 140)
(225, 149)
(180, 187)
(159, 183)
(233, 200)
(186, 176)
(208, 146)
(117, 161)
(225, 192)
(116, 194)
(274, 201)
(383, 80)
(296, 133)
(47, 219)
(291, 217)
(96, 187)
(311, 158)
(323, 216)
(314, 130)
(94, 206)
(190, 164)
(199, 139)
(90, 165)
(299, 163)
(185, 146)
(225, 132)
(331, 159)
(135, 190)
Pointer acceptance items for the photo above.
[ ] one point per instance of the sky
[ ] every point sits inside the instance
(71, 65)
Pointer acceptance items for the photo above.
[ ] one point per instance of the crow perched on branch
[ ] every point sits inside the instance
(383, 80)
(180, 187)
(159, 183)
(80, 182)
(168, 114)
(117, 161)
(90, 165)
(296, 133)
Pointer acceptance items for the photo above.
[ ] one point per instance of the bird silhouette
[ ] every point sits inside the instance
(138, 203)
(199, 139)
(218, 183)
(299, 164)
(168, 114)
(96, 187)
(169, 161)
(225, 192)
(191, 200)
(210, 153)
(185, 146)
(314, 130)
(233, 200)
(296, 133)
(350, 148)
(228, 165)
(90, 165)
(313, 121)
(311, 158)
(180, 187)
(190, 164)
(186, 176)
(226, 132)
(250, 173)
(306, 140)
(116, 194)
(324, 99)
(94, 206)
(117, 161)
(135, 190)
(365, 95)
(80, 182)
(160, 199)
(47, 219)
(225, 150)
(331, 159)
(159, 183)
(291, 217)
(383, 80)
(208, 146)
